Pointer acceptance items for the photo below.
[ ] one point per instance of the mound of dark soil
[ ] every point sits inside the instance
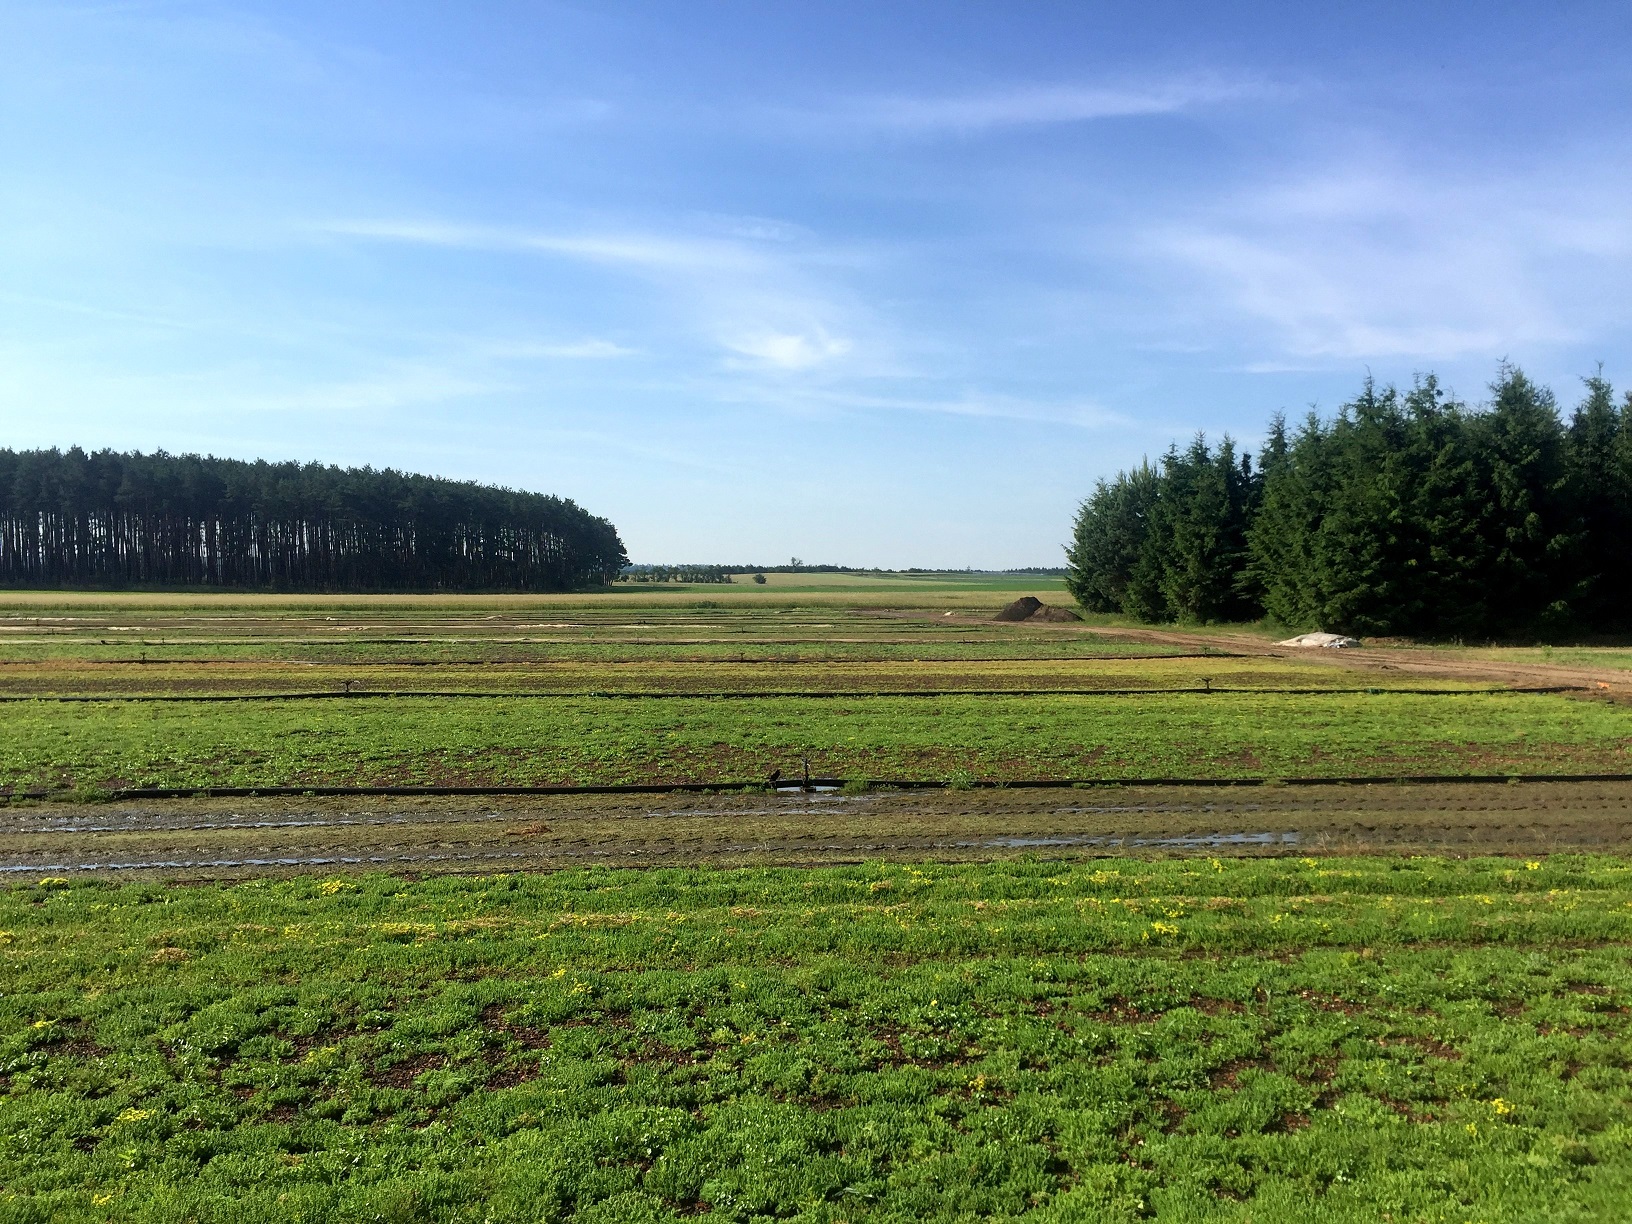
(1029, 607)
(1021, 609)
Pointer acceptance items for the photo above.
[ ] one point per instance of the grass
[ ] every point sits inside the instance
(587, 740)
(1267, 1040)
(875, 590)
(617, 628)
(680, 676)
(1281, 1040)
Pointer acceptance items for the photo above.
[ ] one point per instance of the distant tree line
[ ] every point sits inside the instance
(110, 520)
(1407, 513)
(675, 573)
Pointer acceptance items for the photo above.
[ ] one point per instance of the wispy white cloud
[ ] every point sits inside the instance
(1396, 262)
(635, 249)
(752, 295)
(790, 350)
(1033, 104)
(1081, 414)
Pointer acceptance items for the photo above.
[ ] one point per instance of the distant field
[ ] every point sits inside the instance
(626, 627)
(747, 671)
(1276, 1040)
(886, 590)
(524, 691)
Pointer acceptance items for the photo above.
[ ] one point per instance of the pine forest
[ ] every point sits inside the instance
(109, 520)
(1406, 513)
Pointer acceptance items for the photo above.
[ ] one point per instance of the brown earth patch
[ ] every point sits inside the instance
(526, 1036)
(403, 1074)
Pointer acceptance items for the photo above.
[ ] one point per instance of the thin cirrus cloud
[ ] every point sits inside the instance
(740, 295)
(1397, 262)
(1075, 413)
(632, 249)
(1032, 105)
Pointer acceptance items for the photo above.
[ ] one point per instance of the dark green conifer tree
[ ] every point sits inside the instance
(114, 520)
(1109, 537)
(1404, 514)
(1600, 508)
(1521, 446)
(1201, 517)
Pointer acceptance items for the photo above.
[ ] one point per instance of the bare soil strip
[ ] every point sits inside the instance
(1421, 661)
(220, 839)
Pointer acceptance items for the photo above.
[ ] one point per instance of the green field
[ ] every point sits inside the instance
(586, 740)
(1185, 1037)
(867, 677)
(1273, 1040)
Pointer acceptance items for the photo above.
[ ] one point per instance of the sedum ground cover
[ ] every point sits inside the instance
(1270, 1040)
(679, 677)
(587, 740)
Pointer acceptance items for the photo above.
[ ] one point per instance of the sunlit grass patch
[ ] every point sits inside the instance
(587, 740)
(1289, 1039)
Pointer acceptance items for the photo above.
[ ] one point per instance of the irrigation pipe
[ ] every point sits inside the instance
(798, 785)
(738, 695)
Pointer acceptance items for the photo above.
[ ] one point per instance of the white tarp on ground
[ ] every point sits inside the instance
(1320, 639)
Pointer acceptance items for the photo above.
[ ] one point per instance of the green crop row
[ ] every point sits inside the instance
(599, 649)
(587, 740)
(667, 676)
(1274, 1041)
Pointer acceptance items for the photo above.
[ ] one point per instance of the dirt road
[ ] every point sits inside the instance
(1445, 664)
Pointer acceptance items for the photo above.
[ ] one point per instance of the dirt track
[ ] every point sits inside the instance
(198, 838)
(1415, 660)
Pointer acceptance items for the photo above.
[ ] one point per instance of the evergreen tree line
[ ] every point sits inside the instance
(110, 520)
(1407, 513)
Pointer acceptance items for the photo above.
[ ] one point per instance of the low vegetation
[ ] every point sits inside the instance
(1274, 1040)
(1279, 1038)
(590, 740)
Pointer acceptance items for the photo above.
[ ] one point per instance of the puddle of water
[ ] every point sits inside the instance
(136, 825)
(1191, 840)
(324, 861)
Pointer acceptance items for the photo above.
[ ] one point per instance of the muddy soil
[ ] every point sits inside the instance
(229, 839)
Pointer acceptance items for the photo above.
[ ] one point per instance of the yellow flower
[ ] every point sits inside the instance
(133, 1115)
(1532, 866)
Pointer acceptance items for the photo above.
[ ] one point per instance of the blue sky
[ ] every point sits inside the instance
(870, 283)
